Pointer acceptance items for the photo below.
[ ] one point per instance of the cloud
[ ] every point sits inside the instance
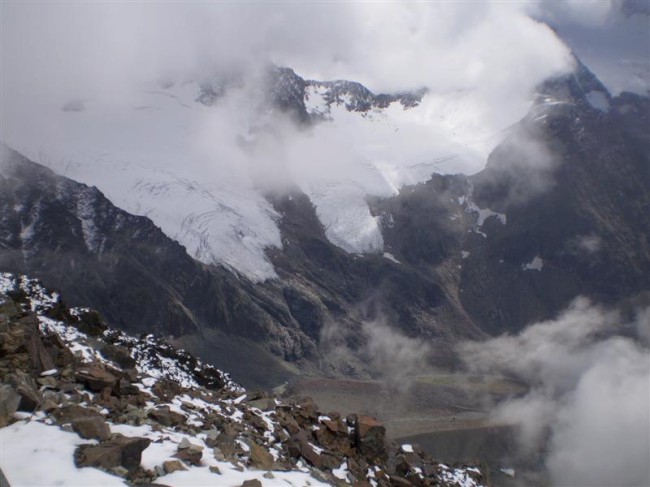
(387, 354)
(589, 401)
(388, 46)
(480, 60)
(100, 61)
(583, 12)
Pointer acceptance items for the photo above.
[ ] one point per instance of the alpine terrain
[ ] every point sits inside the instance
(434, 226)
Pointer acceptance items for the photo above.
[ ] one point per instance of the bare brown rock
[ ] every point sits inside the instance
(9, 401)
(369, 437)
(166, 417)
(189, 453)
(119, 451)
(309, 454)
(66, 414)
(91, 428)
(96, 378)
(260, 457)
(26, 387)
(172, 466)
(251, 483)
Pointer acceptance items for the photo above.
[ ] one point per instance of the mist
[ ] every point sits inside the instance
(90, 87)
(391, 357)
(481, 61)
(588, 406)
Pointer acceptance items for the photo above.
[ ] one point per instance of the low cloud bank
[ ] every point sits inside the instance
(588, 406)
(389, 355)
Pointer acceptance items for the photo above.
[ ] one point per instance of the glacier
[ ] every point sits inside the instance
(200, 171)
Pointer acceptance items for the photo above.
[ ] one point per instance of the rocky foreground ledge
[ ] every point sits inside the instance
(83, 404)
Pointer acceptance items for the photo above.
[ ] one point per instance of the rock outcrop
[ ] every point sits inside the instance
(219, 427)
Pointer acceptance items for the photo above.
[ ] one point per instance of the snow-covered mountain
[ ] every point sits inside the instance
(451, 258)
(197, 158)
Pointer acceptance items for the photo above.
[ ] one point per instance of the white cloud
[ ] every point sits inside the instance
(590, 389)
(389, 46)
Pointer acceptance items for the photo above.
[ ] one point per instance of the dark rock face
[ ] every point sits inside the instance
(589, 225)
(71, 236)
(144, 282)
(569, 199)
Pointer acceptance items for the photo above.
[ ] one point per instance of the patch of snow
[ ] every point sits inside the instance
(389, 256)
(537, 264)
(86, 214)
(482, 214)
(25, 444)
(341, 472)
(456, 476)
(232, 478)
(344, 212)
(406, 448)
(7, 282)
(239, 399)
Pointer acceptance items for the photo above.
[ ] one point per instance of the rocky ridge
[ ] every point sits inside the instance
(146, 412)
(307, 100)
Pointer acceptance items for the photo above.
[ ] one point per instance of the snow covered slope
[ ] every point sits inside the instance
(197, 160)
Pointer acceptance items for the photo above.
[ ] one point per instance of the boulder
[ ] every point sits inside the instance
(172, 466)
(66, 414)
(9, 401)
(369, 437)
(260, 457)
(264, 404)
(166, 389)
(397, 481)
(309, 454)
(211, 437)
(12, 342)
(96, 378)
(166, 417)
(226, 445)
(126, 388)
(39, 357)
(120, 451)
(251, 483)
(120, 355)
(185, 443)
(91, 428)
(189, 453)
(26, 387)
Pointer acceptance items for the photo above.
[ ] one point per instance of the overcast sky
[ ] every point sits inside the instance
(389, 46)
